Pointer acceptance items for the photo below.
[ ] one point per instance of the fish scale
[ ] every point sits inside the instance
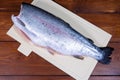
(47, 30)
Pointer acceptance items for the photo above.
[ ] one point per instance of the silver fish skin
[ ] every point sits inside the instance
(47, 30)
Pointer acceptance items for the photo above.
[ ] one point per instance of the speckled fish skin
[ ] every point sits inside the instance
(47, 30)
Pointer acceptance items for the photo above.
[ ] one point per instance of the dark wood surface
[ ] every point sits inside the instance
(15, 66)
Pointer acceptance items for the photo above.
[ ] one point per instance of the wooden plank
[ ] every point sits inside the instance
(4, 36)
(110, 20)
(5, 19)
(12, 5)
(55, 77)
(114, 67)
(14, 63)
(77, 6)
(36, 78)
(111, 24)
(107, 22)
(104, 78)
(91, 6)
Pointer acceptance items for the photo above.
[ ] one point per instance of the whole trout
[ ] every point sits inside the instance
(45, 29)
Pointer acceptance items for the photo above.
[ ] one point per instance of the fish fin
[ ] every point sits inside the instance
(106, 57)
(51, 51)
(79, 57)
(90, 40)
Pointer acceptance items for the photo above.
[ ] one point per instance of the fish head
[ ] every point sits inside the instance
(18, 22)
(28, 18)
(26, 23)
(23, 19)
(23, 31)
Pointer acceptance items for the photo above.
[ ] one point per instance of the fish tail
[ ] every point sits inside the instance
(107, 51)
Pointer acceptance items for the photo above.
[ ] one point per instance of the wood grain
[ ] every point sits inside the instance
(36, 78)
(56, 78)
(14, 63)
(5, 20)
(4, 37)
(104, 78)
(114, 67)
(77, 6)
(110, 21)
(91, 6)
(15, 66)
(12, 5)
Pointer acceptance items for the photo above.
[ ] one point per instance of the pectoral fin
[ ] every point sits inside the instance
(79, 57)
(51, 51)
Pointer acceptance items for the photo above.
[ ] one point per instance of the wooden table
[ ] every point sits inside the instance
(16, 66)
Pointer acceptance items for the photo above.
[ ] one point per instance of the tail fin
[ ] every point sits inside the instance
(107, 51)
